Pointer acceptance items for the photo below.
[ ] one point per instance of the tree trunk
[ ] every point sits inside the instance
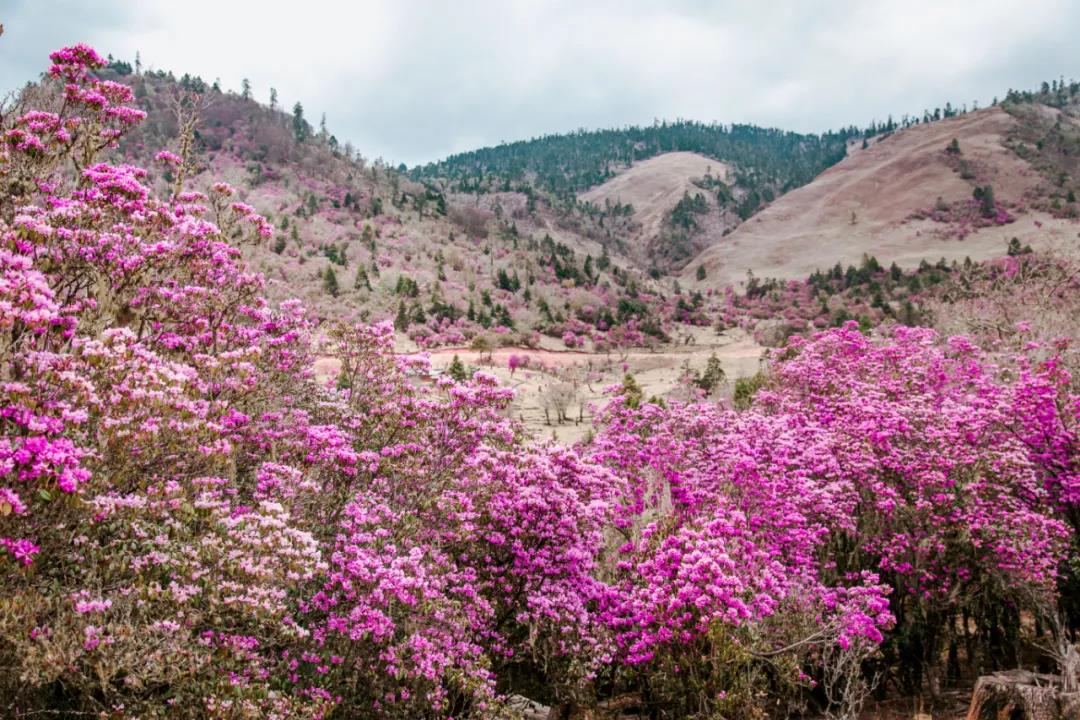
(1022, 695)
(532, 710)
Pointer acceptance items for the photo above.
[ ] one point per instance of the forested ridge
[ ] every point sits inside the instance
(565, 164)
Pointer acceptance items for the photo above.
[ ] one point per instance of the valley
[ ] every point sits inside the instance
(624, 265)
(551, 382)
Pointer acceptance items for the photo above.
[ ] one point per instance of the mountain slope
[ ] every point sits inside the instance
(495, 252)
(357, 240)
(653, 188)
(761, 164)
(903, 198)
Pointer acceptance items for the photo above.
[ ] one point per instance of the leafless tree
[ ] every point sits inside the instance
(846, 685)
(188, 107)
(1059, 646)
(559, 397)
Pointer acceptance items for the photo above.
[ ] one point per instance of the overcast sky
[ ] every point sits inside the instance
(413, 81)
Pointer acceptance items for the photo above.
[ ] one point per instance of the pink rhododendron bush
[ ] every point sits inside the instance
(909, 476)
(193, 525)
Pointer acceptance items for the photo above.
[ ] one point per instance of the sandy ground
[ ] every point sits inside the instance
(587, 374)
(655, 185)
(811, 228)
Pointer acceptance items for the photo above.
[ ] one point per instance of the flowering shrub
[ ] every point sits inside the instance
(965, 216)
(193, 525)
(516, 362)
(903, 465)
(1011, 302)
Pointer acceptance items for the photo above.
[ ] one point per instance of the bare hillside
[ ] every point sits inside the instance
(653, 186)
(865, 204)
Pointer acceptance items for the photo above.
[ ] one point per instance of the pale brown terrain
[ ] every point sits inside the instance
(587, 374)
(864, 203)
(655, 185)
(657, 373)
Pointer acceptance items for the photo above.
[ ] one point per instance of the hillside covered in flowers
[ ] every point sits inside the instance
(358, 239)
(194, 525)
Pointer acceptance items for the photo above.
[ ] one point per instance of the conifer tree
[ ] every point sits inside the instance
(712, 377)
(631, 391)
(401, 320)
(299, 124)
(457, 369)
(361, 280)
(330, 283)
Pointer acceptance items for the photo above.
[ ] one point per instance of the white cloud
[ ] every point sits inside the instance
(412, 81)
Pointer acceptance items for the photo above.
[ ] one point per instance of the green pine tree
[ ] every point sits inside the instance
(712, 377)
(330, 283)
(362, 280)
(401, 320)
(457, 369)
(631, 391)
(300, 125)
(419, 317)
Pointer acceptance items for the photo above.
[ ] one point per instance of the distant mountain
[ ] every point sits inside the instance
(678, 203)
(591, 173)
(962, 187)
(760, 164)
(765, 160)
